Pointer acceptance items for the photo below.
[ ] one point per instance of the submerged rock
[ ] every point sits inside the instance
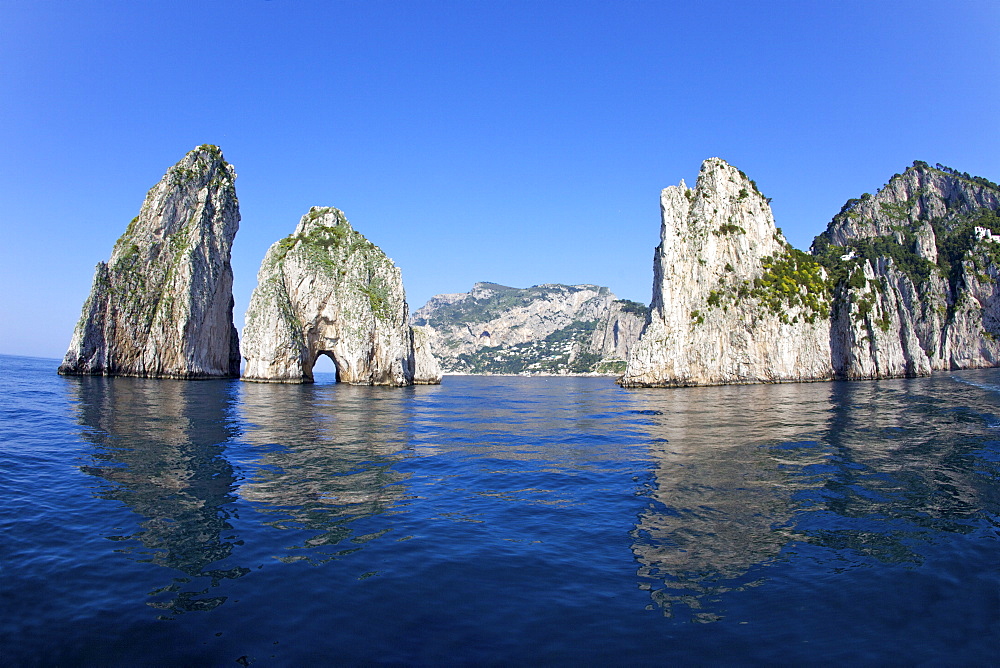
(162, 306)
(326, 290)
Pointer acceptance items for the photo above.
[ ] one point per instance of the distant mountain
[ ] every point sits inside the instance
(544, 329)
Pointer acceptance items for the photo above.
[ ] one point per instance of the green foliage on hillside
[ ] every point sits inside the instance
(977, 180)
(562, 350)
(903, 255)
(793, 285)
(954, 236)
(955, 241)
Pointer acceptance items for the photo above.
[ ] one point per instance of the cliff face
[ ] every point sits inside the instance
(162, 306)
(915, 275)
(901, 283)
(732, 301)
(542, 329)
(906, 206)
(327, 290)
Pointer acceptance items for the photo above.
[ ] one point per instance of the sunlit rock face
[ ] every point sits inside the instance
(426, 370)
(915, 275)
(901, 283)
(723, 310)
(326, 290)
(162, 306)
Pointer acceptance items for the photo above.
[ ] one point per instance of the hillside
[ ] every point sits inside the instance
(544, 329)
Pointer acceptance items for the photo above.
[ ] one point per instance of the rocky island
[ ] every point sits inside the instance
(901, 283)
(544, 329)
(162, 306)
(327, 290)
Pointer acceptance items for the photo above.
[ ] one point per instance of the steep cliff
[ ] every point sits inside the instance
(542, 329)
(914, 269)
(732, 301)
(901, 283)
(326, 290)
(162, 306)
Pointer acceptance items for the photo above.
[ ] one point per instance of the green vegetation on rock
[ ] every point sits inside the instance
(955, 243)
(635, 308)
(791, 281)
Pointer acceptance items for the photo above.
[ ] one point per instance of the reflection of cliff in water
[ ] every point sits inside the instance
(863, 471)
(904, 462)
(324, 457)
(722, 501)
(160, 446)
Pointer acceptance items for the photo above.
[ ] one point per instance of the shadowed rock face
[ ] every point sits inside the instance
(326, 290)
(426, 370)
(162, 306)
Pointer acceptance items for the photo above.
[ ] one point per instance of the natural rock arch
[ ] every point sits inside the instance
(327, 290)
(310, 370)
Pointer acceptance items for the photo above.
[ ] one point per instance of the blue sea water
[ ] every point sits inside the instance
(497, 520)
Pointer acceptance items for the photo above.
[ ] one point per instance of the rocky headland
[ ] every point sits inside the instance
(162, 306)
(544, 329)
(901, 283)
(327, 290)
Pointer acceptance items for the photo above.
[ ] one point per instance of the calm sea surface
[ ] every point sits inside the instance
(497, 520)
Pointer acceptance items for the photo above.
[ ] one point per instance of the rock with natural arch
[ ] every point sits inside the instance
(327, 290)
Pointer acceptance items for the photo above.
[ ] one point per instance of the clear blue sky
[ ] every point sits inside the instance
(506, 141)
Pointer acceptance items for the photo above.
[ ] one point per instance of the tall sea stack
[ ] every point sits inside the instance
(162, 306)
(724, 309)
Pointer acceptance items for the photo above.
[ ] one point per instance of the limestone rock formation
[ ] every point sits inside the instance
(916, 269)
(426, 370)
(732, 301)
(550, 329)
(162, 306)
(901, 283)
(326, 290)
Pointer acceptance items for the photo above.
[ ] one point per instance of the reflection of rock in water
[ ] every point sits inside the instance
(902, 454)
(325, 457)
(861, 472)
(722, 501)
(160, 445)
